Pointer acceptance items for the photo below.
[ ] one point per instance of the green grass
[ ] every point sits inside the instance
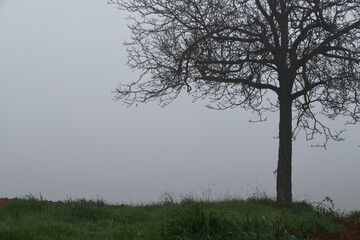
(254, 219)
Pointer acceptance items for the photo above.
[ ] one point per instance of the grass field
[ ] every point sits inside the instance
(33, 218)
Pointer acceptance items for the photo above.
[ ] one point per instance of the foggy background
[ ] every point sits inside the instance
(62, 135)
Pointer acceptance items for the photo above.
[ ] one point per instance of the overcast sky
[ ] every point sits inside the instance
(63, 135)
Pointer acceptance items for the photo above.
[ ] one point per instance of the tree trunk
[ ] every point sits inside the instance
(283, 181)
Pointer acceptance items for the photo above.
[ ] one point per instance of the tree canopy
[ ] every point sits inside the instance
(237, 52)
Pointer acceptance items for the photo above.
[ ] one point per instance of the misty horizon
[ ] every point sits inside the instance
(63, 135)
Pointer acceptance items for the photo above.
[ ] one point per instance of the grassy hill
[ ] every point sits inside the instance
(33, 218)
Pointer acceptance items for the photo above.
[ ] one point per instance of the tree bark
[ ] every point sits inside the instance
(283, 181)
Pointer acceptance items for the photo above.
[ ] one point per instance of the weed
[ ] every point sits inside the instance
(13, 216)
(91, 210)
(29, 203)
(187, 199)
(12, 233)
(353, 214)
(129, 215)
(167, 198)
(194, 222)
(191, 219)
(319, 220)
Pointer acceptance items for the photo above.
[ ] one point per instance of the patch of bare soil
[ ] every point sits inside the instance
(5, 201)
(351, 231)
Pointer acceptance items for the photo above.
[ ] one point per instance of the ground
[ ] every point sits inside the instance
(351, 227)
(351, 231)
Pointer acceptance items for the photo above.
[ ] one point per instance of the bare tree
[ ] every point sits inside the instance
(238, 52)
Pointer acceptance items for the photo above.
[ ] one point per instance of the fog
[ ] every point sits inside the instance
(63, 136)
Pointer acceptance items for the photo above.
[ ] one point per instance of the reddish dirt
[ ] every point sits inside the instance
(5, 201)
(351, 227)
(351, 231)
